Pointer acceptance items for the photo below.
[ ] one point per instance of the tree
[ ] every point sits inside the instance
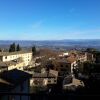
(12, 48)
(91, 50)
(87, 67)
(1, 50)
(34, 50)
(80, 66)
(18, 48)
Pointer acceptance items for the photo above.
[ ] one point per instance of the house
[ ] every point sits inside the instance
(9, 65)
(17, 63)
(72, 83)
(75, 58)
(65, 65)
(62, 66)
(3, 67)
(38, 62)
(9, 56)
(15, 81)
(53, 80)
(65, 54)
(13, 60)
(67, 80)
(73, 62)
(82, 57)
(90, 56)
(43, 79)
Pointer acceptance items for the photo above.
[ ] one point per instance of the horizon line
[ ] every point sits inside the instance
(43, 39)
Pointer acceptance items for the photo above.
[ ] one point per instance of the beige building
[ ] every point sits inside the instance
(53, 79)
(15, 59)
(44, 79)
(82, 57)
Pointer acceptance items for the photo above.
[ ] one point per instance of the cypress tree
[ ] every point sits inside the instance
(12, 48)
(34, 50)
(18, 48)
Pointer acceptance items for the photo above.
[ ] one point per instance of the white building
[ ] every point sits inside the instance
(16, 59)
(64, 54)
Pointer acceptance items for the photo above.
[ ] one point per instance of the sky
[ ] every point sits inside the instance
(49, 19)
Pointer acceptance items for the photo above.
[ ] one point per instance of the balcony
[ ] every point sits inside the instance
(43, 96)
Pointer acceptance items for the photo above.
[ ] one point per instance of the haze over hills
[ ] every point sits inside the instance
(79, 43)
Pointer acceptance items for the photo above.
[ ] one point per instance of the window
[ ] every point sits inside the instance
(49, 81)
(55, 81)
(6, 57)
(61, 65)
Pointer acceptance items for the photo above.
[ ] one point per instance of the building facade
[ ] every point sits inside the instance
(16, 59)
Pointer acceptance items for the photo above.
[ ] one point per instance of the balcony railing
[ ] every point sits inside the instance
(32, 96)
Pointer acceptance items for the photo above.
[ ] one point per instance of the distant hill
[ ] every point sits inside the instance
(80, 43)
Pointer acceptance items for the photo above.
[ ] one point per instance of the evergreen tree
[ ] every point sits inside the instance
(34, 50)
(12, 48)
(18, 48)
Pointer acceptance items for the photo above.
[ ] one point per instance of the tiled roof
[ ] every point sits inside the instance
(61, 60)
(55, 73)
(4, 82)
(13, 53)
(4, 87)
(71, 59)
(51, 74)
(12, 62)
(2, 64)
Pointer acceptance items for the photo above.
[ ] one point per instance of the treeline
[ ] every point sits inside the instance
(13, 47)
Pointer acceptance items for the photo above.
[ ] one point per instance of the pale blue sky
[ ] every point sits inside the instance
(49, 19)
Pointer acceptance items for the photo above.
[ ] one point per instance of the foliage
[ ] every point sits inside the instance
(91, 50)
(34, 50)
(14, 48)
(90, 67)
(18, 48)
